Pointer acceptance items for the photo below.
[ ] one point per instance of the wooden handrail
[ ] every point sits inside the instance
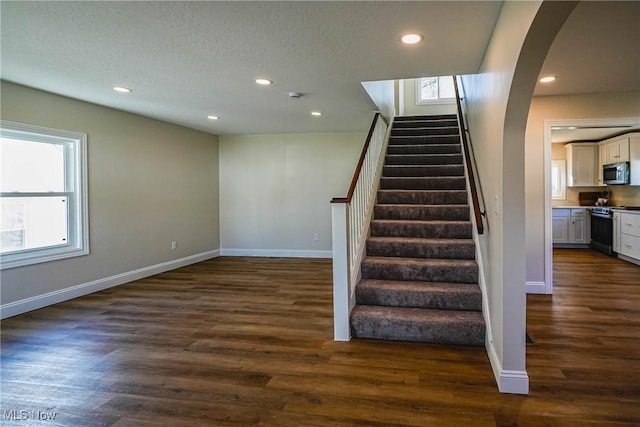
(356, 173)
(467, 157)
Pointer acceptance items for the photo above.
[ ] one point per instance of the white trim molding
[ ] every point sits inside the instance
(55, 297)
(276, 253)
(536, 287)
(509, 381)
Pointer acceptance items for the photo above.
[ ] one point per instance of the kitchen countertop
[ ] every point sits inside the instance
(572, 207)
(634, 211)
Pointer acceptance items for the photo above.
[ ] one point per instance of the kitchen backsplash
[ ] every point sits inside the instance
(620, 195)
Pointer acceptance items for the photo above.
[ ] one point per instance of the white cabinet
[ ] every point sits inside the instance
(626, 234)
(616, 232)
(560, 226)
(582, 162)
(602, 158)
(578, 227)
(570, 227)
(634, 158)
(616, 150)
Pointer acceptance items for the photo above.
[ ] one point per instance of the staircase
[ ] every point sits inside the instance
(419, 276)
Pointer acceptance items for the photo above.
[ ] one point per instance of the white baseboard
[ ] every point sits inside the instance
(50, 298)
(276, 253)
(536, 288)
(513, 382)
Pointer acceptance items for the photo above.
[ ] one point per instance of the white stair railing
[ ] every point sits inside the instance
(350, 217)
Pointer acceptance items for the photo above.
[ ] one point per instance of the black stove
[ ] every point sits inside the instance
(602, 229)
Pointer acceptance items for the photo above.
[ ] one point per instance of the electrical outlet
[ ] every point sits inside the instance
(316, 237)
(174, 245)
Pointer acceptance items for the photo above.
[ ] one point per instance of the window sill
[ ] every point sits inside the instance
(39, 256)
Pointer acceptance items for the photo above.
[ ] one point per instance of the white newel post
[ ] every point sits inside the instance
(341, 291)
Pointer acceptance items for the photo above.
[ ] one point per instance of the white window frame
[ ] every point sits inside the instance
(75, 190)
(561, 180)
(420, 101)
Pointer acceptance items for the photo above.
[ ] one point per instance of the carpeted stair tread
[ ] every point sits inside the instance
(425, 122)
(421, 212)
(426, 117)
(423, 183)
(413, 247)
(416, 269)
(414, 228)
(423, 170)
(416, 324)
(424, 149)
(422, 197)
(434, 295)
(440, 129)
(424, 139)
(423, 159)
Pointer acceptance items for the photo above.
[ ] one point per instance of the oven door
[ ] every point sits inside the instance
(602, 233)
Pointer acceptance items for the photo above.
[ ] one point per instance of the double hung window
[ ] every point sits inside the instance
(43, 194)
(435, 90)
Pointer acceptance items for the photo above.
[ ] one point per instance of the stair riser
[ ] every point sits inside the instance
(470, 301)
(463, 250)
(426, 139)
(424, 159)
(431, 183)
(424, 123)
(422, 213)
(433, 170)
(429, 117)
(409, 229)
(458, 197)
(424, 149)
(450, 274)
(444, 130)
(438, 333)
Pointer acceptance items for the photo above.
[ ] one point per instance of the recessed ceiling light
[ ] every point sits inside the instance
(316, 113)
(212, 117)
(412, 38)
(547, 79)
(122, 89)
(264, 82)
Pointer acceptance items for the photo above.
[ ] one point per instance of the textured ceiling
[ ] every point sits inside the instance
(597, 50)
(186, 60)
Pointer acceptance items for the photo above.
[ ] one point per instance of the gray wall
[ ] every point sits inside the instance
(275, 191)
(150, 183)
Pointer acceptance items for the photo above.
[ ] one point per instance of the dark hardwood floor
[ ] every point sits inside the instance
(248, 342)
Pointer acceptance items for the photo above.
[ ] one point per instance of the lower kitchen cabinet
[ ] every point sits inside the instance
(626, 235)
(570, 227)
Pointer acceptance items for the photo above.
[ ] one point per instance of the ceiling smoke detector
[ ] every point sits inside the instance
(295, 95)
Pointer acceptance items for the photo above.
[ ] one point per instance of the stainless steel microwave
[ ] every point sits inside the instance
(616, 173)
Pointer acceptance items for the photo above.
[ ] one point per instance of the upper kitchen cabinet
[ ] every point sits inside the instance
(582, 163)
(622, 148)
(615, 150)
